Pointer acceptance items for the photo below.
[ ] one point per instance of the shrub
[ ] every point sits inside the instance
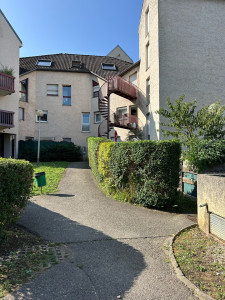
(143, 172)
(93, 147)
(49, 151)
(16, 179)
(7, 70)
(205, 154)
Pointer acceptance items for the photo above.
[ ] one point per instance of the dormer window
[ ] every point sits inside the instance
(76, 64)
(106, 66)
(44, 63)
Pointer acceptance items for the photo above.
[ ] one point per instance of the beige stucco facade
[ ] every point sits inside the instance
(9, 57)
(66, 121)
(63, 121)
(186, 45)
(149, 63)
(140, 103)
(118, 52)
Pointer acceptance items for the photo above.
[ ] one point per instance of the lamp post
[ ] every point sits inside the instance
(40, 114)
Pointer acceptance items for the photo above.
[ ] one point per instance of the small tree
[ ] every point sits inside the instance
(180, 118)
(190, 126)
(186, 123)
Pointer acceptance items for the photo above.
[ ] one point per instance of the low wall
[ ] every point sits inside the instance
(211, 191)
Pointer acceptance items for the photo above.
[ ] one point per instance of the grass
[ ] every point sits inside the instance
(18, 269)
(53, 171)
(202, 260)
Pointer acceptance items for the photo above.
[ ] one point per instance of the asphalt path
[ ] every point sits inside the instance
(116, 249)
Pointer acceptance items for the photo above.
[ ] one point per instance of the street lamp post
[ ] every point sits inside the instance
(40, 114)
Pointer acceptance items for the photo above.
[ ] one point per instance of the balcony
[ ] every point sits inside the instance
(6, 119)
(6, 84)
(126, 121)
(123, 88)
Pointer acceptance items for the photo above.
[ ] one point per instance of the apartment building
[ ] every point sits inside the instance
(66, 88)
(9, 88)
(181, 48)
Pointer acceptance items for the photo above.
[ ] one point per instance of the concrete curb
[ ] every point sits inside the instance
(169, 250)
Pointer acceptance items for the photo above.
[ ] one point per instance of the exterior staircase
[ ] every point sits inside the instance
(116, 85)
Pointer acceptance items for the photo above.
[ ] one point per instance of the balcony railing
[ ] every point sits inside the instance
(122, 87)
(6, 84)
(126, 121)
(6, 119)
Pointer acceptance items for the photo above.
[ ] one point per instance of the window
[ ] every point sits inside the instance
(148, 91)
(121, 111)
(76, 64)
(97, 117)
(52, 89)
(118, 139)
(133, 78)
(29, 138)
(147, 27)
(147, 56)
(21, 113)
(44, 118)
(24, 90)
(106, 66)
(67, 95)
(44, 63)
(95, 91)
(85, 122)
(95, 88)
(69, 140)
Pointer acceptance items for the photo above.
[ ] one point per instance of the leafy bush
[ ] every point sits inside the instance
(143, 172)
(93, 147)
(205, 154)
(49, 151)
(16, 179)
(6, 70)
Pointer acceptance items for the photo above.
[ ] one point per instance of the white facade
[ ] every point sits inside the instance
(181, 45)
(9, 58)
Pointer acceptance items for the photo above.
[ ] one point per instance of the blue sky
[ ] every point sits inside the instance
(75, 26)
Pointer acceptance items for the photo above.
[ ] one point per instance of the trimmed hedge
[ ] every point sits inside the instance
(93, 147)
(142, 172)
(49, 151)
(16, 180)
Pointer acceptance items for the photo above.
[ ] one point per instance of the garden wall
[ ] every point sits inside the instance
(211, 191)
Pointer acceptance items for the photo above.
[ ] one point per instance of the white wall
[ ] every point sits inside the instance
(9, 57)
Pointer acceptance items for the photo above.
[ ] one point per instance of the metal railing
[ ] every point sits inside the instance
(6, 119)
(127, 121)
(7, 83)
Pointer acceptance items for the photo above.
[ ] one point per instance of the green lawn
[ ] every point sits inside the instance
(54, 172)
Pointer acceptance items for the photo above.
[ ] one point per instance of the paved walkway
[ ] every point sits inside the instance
(115, 247)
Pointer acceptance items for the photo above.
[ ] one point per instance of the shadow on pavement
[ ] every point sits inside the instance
(99, 267)
(79, 165)
(61, 195)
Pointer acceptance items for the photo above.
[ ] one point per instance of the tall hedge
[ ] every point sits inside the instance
(93, 148)
(143, 172)
(16, 179)
(49, 151)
